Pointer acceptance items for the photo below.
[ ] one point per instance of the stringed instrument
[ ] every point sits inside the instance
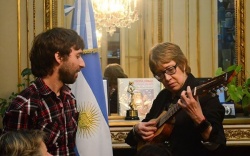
(164, 120)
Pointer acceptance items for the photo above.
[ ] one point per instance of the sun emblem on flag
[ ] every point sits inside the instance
(88, 120)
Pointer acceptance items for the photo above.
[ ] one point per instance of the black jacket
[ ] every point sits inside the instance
(185, 140)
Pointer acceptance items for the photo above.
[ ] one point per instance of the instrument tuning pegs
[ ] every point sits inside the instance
(225, 88)
(213, 94)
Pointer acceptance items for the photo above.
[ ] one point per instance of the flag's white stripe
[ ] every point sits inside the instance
(68, 9)
(78, 20)
(99, 136)
(88, 27)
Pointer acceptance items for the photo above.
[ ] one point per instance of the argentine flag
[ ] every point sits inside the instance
(93, 135)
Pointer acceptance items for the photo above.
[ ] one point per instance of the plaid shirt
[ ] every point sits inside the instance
(38, 107)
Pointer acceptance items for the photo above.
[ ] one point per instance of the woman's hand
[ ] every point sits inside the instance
(193, 108)
(146, 130)
(191, 105)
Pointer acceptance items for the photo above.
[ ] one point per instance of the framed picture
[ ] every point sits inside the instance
(229, 109)
(145, 91)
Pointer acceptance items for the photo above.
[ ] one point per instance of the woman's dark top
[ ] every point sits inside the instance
(185, 140)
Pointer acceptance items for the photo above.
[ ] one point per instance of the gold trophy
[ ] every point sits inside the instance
(132, 113)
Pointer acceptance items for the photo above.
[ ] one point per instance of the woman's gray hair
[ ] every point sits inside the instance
(163, 53)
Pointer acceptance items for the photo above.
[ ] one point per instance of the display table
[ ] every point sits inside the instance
(237, 131)
(119, 128)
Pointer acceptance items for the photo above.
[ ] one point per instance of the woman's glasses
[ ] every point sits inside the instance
(170, 71)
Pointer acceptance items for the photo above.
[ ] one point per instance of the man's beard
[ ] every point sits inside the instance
(66, 75)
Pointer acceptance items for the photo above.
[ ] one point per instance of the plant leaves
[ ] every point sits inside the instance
(219, 71)
(245, 102)
(26, 71)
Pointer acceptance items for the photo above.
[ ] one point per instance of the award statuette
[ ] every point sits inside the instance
(132, 113)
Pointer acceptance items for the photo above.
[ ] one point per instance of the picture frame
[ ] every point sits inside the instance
(146, 90)
(229, 109)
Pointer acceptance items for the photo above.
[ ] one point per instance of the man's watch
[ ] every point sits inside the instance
(203, 125)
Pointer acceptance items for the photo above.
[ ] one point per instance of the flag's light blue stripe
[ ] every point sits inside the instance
(76, 152)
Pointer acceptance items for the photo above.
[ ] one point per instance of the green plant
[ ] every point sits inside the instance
(5, 102)
(236, 92)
